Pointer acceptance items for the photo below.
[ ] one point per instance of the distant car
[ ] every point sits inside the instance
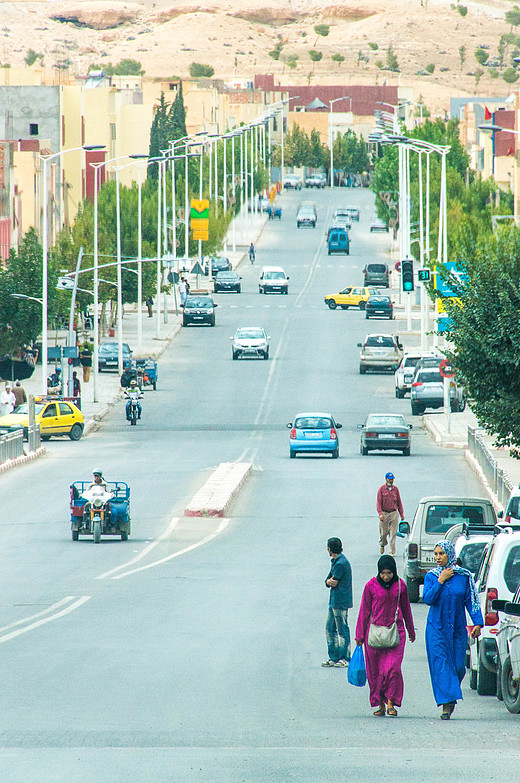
(219, 264)
(338, 242)
(54, 417)
(379, 305)
(428, 392)
(274, 280)
(380, 352)
(343, 221)
(376, 224)
(314, 181)
(512, 510)
(314, 433)
(292, 182)
(261, 203)
(305, 217)
(199, 309)
(384, 432)
(227, 281)
(376, 274)
(108, 356)
(351, 296)
(250, 341)
(353, 213)
(404, 374)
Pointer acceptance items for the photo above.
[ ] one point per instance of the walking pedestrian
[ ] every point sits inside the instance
(389, 509)
(76, 385)
(149, 304)
(449, 590)
(19, 393)
(384, 602)
(183, 290)
(339, 582)
(7, 400)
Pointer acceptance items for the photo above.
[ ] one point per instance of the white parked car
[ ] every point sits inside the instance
(405, 372)
(508, 643)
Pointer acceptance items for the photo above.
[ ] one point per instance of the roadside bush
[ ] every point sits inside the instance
(198, 69)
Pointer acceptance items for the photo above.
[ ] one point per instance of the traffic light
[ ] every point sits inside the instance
(407, 274)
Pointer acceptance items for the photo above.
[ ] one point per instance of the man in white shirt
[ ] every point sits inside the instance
(7, 401)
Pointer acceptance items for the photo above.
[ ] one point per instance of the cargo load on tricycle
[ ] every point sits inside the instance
(146, 372)
(100, 509)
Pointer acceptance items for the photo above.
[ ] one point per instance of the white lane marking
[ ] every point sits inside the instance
(67, 610)
(169, 529)
(224, 523)
(57, 605)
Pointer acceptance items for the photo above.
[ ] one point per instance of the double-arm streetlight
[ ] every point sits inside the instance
(45, 160)
(334, 100)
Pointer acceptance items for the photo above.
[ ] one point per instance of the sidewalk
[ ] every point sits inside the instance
(155, 341)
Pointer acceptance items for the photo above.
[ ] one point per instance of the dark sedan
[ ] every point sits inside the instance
(385, 432)
(227, 281)
(219, 264)
(379, 305)
(108, 356)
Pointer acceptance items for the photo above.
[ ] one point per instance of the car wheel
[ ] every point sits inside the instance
(332, 304)
(335, 453)
(362, 370)
(329, 253)
(45, 437)
(266, 354)
(406, 452)
(362, 305)
(235, 355)
(462, 406)
(344, 307)
(286, 291)
(75, 535)
(473, 679)
(76, 432)
(510, 688)
(399, 393)
(292, 454)
(416, 409)
(347, 252)
(486, 680)
(184, 322)
(412, 587)
(500, 695)
(367, 316)
(364, 450)
(239, 289)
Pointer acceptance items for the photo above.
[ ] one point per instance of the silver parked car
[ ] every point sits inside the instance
(405, 372)
(428, 392)
(380, 352)
(250, 341)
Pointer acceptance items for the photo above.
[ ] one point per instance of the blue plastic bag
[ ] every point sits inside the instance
(357, 673)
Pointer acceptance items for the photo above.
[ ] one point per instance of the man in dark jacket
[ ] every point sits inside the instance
(339, 582)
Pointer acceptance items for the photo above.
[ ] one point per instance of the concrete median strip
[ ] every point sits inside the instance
(215, 497)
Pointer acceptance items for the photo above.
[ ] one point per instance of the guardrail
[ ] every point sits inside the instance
(33, 438)
(496, 477)
(11, 446)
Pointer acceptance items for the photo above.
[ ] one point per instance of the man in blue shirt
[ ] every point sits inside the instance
(339, 582)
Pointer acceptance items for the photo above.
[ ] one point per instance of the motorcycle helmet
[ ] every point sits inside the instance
(133, 383)
(98, 473)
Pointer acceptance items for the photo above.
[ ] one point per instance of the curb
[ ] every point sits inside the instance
(215, 497)
(437, 437)
(14, 463)
(472, 462)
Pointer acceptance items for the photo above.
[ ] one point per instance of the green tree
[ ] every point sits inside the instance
(128, 67)
(31, 57)
(479, 73)
(462, 56)
(178, 115)
(337, 58)
(481, 56)
(373, 46)
(198, 70)
(391, 59)
(292, 61)
(510, 76)
(317, 150)
(321, 29)
(315, 56)
(513, 17)
(463, 10)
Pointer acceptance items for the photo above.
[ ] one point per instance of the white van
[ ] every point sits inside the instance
(273, 279)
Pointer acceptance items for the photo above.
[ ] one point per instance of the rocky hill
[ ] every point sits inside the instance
(433, 42)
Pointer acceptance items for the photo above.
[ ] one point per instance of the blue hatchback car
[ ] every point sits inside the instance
(314, 433)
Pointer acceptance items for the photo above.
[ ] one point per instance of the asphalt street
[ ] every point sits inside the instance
(192, 652)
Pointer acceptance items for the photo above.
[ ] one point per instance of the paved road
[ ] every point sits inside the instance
(192, 651)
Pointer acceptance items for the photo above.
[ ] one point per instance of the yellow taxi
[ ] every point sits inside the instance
(55, 417)
(351, 296)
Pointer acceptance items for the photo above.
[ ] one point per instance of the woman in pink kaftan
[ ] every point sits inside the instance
(378, 605)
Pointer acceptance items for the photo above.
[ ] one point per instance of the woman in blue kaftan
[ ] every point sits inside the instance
(449, 590)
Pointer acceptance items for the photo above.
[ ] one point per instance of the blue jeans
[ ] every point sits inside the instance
(338, 634)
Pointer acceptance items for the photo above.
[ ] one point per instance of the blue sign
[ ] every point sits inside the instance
(442, 286)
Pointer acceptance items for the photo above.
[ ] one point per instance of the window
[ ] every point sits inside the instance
(429, 377)
(313, 423)
(439, 519)
(380, 341)
(65, 409)
(50, 411)
(33, 129)
(512, 569)
(471, 555)
(514, 507)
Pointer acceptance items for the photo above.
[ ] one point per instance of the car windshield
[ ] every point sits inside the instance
(198, 301)
(429, 377)
(512, 569)
(227, 276)
(440, 518)
(108, 347)
(24, 408)
(471, 555)
(376, 268)
(410, 361)
(379, 300)
(380, 341)
(513, 508)
(386, 421)
(249, 334)
(313, 423)
(274, 275)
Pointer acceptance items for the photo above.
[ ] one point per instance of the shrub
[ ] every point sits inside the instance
(430, 68)
(198, 69)
(481, 56)
(462, 9)
(493, 73)
(391, 59)
(373, 46)
(315, 56)
(322, 29)
(337, 58)
(510, 76)
(31, 57)
(379, 64)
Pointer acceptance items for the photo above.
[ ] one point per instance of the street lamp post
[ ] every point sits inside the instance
(45, 160)
(335, 100)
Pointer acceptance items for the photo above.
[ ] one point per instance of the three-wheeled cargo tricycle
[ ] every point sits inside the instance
(146, 372)
(96, 511)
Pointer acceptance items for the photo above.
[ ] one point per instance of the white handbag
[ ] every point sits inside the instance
(385, 636)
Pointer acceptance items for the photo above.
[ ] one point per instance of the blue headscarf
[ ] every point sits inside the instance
(449, 549)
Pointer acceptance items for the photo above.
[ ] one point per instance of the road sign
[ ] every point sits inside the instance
(423, 275)
(446, 369)
(397, 266)
(197, 269)
(65, 284)
(200, 219)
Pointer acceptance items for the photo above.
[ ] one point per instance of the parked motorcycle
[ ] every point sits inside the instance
(96, 512)
(133, 406)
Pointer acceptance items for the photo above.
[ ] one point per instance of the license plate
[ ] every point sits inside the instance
(197, 318)
(379, 353)
(109, 361)
(312, 434)
(429, 559)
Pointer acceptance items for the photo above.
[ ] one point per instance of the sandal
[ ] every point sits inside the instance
(392, 712)
(380, 712)
(447, 710)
